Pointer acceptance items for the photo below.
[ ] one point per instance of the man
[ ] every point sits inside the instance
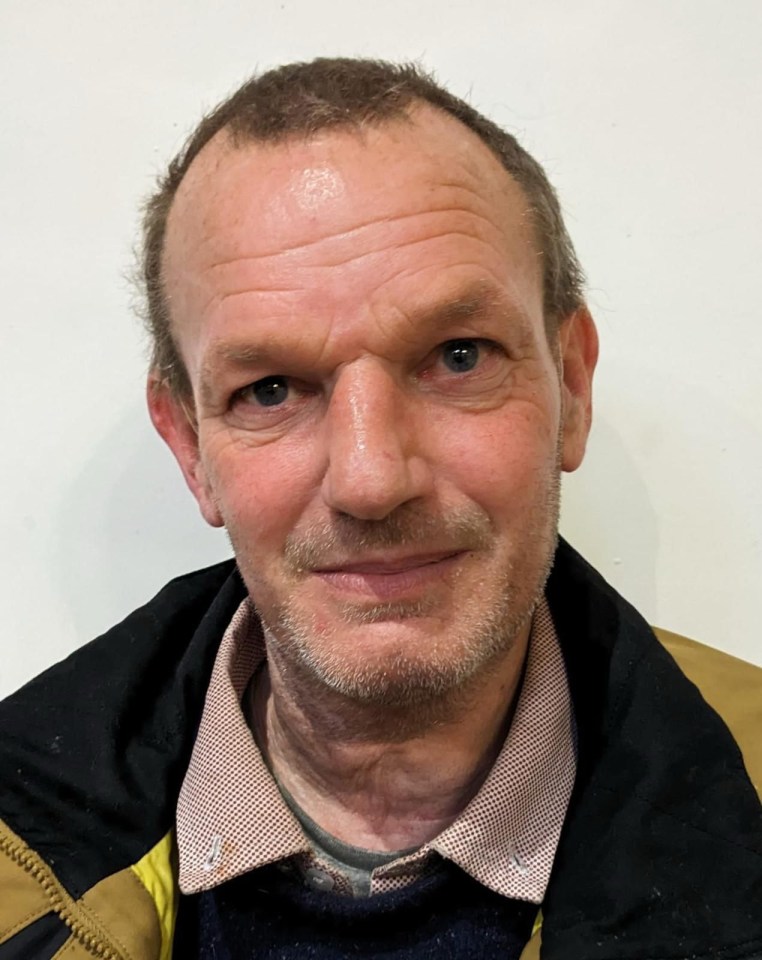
(410, 717)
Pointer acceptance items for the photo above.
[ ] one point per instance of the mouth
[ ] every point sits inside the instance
(389, 577)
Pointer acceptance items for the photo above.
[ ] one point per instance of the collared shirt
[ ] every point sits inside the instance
(232, 818)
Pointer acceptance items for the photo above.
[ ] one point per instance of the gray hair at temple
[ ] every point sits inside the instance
(302, 99)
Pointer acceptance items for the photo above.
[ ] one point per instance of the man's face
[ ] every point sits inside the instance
(380, 418)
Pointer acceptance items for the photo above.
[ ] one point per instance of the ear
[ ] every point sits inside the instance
(578, 348)
(175, 422)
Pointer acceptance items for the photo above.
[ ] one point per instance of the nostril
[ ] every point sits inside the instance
(372, 445)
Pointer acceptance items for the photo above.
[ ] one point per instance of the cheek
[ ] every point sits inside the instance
(260, 492)
(499, 460)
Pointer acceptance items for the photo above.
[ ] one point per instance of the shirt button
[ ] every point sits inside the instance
(319, 879)
(214, 855)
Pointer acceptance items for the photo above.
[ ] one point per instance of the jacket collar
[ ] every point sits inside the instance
(660, 852)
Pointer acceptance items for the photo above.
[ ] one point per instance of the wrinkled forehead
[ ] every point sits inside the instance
(260, 200)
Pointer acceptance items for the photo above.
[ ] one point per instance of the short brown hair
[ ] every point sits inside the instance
(300, 99)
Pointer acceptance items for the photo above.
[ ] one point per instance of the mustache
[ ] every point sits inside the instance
(344, 537)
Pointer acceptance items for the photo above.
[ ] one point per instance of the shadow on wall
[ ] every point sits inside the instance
(127, 526)
(608, 516)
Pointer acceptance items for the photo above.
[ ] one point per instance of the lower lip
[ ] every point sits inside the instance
(389, 586)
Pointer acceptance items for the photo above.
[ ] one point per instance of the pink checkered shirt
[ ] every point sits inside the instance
(231, 817)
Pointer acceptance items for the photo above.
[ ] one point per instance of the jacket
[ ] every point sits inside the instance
(660, 856)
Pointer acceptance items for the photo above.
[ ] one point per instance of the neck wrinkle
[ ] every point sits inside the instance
(379, 781)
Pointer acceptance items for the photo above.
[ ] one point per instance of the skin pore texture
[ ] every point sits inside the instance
(379, 421)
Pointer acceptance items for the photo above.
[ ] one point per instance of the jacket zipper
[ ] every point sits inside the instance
(44, 877)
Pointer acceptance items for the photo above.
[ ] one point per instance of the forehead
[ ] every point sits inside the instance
(347, 212)
(274, 196)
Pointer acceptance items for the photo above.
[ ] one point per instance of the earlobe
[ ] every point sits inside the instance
(578, 345)
(175, 423)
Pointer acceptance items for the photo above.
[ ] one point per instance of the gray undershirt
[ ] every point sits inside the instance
(355, 863)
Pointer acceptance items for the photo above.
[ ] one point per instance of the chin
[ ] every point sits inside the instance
(397, 655)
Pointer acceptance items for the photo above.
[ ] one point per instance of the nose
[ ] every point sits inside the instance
(374, 462)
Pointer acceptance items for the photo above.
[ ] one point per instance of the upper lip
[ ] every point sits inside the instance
(385, 563)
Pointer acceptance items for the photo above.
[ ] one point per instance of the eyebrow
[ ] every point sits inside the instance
(477, 300)
(481, 300)
(228, 354)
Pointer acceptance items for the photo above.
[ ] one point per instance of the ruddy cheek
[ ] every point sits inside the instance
(268, 496)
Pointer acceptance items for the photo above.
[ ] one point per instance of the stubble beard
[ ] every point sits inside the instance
(411, 690)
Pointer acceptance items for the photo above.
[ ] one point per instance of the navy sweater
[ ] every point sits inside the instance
(269, 914)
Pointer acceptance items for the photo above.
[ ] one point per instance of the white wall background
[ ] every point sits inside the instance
(647, 116)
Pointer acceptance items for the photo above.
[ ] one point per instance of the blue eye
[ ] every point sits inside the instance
(461, 356)
(270, 391)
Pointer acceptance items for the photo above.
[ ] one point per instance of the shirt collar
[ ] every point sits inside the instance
(231, 817)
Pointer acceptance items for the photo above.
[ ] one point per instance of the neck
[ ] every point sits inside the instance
(380, 779)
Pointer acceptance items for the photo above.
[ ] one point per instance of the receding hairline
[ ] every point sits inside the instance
(226, 144)
(297, 101)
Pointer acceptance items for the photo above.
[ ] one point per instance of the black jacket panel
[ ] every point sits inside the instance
(659, 858)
